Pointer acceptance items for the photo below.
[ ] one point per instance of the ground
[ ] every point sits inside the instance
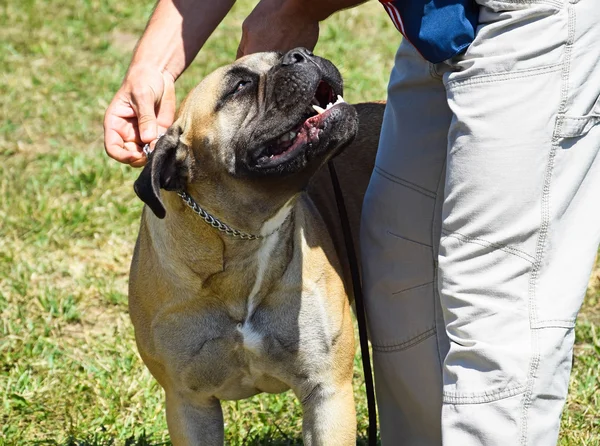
(69, 369)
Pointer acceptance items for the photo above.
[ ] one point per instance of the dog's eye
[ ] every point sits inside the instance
(240, 86)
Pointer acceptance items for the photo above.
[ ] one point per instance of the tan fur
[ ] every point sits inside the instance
(220, 318)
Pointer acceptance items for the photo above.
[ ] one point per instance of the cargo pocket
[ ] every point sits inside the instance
(580, 110)
(573, 126)
(568, 258)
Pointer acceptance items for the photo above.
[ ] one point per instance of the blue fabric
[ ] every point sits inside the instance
(438, 29)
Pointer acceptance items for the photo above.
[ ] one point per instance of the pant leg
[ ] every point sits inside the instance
(399, 231)
(520, 223)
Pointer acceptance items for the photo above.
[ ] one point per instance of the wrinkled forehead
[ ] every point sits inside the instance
(257, 64)
(199, 110)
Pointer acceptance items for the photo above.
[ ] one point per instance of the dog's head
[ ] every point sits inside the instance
(267, 121)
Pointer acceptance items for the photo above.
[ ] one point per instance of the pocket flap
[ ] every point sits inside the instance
(576, 126)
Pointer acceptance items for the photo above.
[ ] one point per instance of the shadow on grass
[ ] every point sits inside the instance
(144, 440)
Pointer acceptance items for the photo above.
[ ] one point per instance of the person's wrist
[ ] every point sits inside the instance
(307, 11)
(139, 70)
(168, 75)
(145, 62)
(298, 11)
(146, 77)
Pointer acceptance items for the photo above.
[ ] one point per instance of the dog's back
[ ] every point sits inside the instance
(353, 167)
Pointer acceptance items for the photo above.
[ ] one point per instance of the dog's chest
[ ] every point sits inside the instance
(265, 325)
(212, 353)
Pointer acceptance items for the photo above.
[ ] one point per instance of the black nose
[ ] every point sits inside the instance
(297, 55)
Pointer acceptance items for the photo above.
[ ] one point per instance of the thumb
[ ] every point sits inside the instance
(143, 106)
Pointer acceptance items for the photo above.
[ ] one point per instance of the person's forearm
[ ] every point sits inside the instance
(176, 31)
(280, 25)
(320, 9)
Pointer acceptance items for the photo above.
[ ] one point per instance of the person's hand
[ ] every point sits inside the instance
(143, 108)
(275, 26)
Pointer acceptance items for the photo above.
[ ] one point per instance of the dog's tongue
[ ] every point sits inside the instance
(282, 144)
(282, 147)
(308, 131)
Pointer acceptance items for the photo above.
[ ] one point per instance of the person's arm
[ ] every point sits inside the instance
(176, 31)
(281, 25)
(145, 104)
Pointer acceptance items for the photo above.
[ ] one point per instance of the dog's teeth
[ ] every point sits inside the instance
(318, 109)
(339, 100)
(329, 106)
(287, 137)
(315, 101)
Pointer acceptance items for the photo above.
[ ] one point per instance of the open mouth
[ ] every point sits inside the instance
(304, 133)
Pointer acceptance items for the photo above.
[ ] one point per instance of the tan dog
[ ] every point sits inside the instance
(222, 316)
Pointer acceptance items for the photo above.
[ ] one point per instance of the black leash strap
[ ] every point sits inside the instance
(360, 308)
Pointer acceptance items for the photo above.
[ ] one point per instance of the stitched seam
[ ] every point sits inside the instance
(558, 323)
(482, 397)
(587, 122)
(508, 249)
(564, 93)
(557, 320)
(436, 294)
(409, 240)
(499, 77)
(395, 293)
(497, 245)
(404, 183)
(406, 344)
(582, 118)
(556, 3)
(545, 223)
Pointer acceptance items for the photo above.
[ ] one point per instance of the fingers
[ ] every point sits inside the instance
(127, 153)
(143, 105)
(121, 139)
(141, 109)
(140, 163)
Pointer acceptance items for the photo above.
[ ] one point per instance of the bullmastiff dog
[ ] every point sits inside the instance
(239, 282)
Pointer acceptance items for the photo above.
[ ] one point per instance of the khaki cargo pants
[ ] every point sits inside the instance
(480, 227)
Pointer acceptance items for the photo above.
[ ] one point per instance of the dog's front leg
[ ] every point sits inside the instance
(329, 416)
(198, 424)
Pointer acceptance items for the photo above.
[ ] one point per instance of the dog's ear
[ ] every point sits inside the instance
(167, 168)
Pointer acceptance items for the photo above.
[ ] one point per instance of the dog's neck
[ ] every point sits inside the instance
(211, 261)
(186, 229)
(255, 218)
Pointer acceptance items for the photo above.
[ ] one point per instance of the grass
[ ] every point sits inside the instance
(69, 370)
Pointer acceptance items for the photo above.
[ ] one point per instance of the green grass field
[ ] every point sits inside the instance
(69, 369)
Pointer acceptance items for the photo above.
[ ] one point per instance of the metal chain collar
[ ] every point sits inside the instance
(215, 222)
(208, 218)
(218, 224)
